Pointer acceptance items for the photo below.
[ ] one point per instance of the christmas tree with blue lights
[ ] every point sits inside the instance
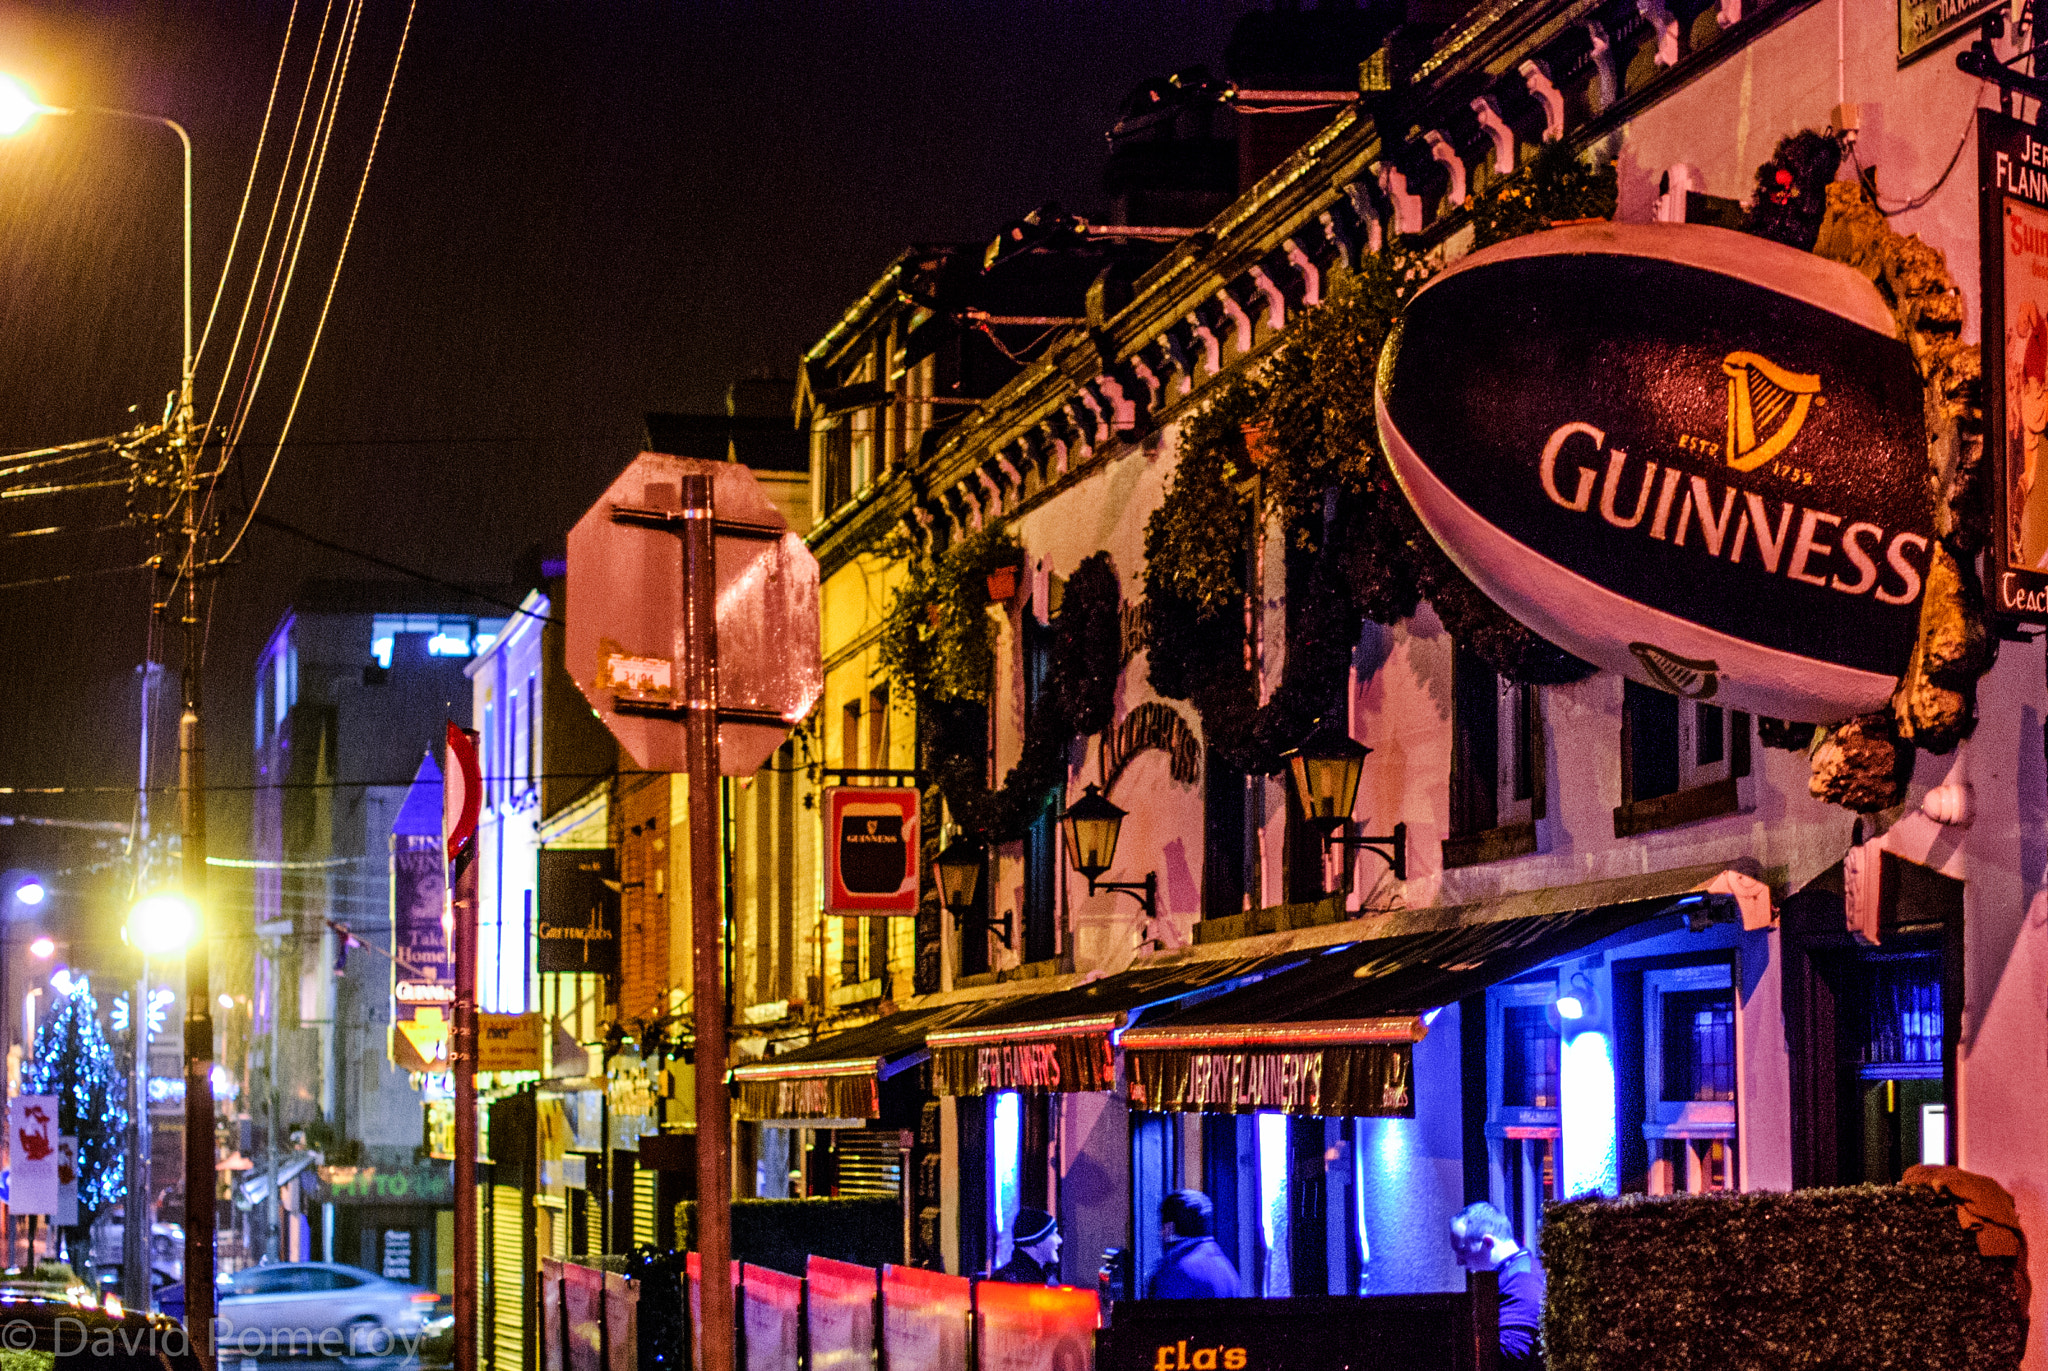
(73, 1062)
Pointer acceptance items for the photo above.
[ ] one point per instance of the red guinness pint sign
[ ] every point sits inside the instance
(872, 838)
(1690, 456)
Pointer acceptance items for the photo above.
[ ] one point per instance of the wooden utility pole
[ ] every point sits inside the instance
(707, 921)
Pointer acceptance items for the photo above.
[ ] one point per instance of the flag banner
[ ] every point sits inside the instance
(32, 1141)
(576, 914)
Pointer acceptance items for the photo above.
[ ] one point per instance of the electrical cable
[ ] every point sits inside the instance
(334, 281)
(227, 265)
(282, 527)
(1919, 201)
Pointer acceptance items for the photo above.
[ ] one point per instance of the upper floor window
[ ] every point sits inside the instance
(1679, 759)
(1497, 779)
(447, 636)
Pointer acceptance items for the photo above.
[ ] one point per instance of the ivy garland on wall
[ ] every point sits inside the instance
(939, 640)
(1297, 444)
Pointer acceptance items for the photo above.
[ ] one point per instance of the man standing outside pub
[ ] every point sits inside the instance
(1485, 1241)
(1034, 1250)
(1194, 1267)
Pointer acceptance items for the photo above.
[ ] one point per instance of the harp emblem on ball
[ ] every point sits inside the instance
(1690, 677)
(1767, 406)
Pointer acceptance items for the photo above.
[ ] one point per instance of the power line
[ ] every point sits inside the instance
(373, 559)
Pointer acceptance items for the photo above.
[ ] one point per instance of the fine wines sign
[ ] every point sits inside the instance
(1690, 456)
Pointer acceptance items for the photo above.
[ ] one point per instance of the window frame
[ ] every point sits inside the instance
(1518, 746)
(1706, 790)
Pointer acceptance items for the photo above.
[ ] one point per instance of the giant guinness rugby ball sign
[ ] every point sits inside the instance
(1688, 455)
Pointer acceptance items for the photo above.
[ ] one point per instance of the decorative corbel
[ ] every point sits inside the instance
(1226, 300)
(1487, 109)
(1174, 354)
(969, 502)
(1311, 274)
(1056, 450)
(1441, 149)
(1603, 64)
(1665, 26)
(995, 492)
(1366, 206)
(1729, 13)
(1407, 216)
(1536, 75)
(1121, 414)
(1212, 346)
(1148, 378)
(1340, 234)
(1276, 302)
(1085, 433)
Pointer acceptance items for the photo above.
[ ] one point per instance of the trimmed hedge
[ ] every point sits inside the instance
(1863, 1278)
(782, 1233)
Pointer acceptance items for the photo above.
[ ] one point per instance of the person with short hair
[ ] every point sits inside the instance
(1193, 1267)
(1484, 1240)
(1034, 1250)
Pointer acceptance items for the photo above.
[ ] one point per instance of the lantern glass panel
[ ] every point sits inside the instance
(959, 874)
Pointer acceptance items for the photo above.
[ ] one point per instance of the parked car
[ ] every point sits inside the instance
(296, 1306)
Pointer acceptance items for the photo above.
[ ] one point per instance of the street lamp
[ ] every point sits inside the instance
(958, 871)
(1326, 769)
(30, 892)
(17, 108)
(1093, 825)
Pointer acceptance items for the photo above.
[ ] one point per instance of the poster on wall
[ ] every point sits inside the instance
(1035, 1327)
(872, 843)
(839, 1312)
(924, 1319)
(2013, 200)
(576, 914)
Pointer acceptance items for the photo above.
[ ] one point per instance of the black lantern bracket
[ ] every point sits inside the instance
(1391, 848)
(1981, 60)
(1145, 892)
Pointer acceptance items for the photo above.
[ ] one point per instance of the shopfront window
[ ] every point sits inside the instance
(1896, 1019)
(1276, 1232)
(1006, 1172)
(1530, 1048)
(1524, 1123)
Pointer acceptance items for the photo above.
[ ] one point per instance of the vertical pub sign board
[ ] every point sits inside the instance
(576, 922)
(2013, 204)
(872, 841)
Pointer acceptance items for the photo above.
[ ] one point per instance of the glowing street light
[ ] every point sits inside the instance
(42, 949)
(17, 106)
(30, 892)
(162, 924)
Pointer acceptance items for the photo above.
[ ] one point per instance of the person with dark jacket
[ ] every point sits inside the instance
(1035, 1250)
(1194, 1267)
(1485, 1241)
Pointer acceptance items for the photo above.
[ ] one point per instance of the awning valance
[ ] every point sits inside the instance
(1064, 1041)
(1336, 1035)
(840, 1076)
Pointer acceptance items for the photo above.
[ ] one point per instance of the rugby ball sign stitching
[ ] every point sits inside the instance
(1692, 457)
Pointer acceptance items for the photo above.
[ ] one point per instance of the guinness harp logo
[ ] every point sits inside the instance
(1764, 396)
(1695, 680)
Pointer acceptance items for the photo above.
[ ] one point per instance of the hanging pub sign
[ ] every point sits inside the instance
(1362, 1068)
(872, 841)
(2013, 208)
(576, 914)
(1691, 456)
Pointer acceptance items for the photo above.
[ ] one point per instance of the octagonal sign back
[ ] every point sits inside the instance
(625, 616)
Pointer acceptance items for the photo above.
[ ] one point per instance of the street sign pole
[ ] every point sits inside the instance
(461, 798)
(707, 924)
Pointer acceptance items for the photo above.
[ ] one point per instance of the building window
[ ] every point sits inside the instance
(849, 734)
(878, 727)
(1529, 1064)
(1041, 840)
(1497, 779)
(1680, 760)
(1689, 1078)
(1524, 1124)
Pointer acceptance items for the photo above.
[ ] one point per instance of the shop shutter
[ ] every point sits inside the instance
(646, 1207)
(510, 1265)
(869, 1165)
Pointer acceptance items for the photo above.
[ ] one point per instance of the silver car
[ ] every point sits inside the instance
(297, 1308)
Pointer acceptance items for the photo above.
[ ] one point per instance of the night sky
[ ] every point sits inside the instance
(577, 213)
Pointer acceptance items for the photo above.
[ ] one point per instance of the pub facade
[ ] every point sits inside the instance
(1281, 844)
